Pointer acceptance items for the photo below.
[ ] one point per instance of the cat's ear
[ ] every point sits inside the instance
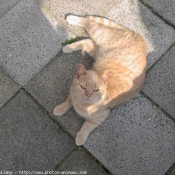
(81, 70)
(105, 75)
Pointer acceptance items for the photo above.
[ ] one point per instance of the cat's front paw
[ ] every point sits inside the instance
(59, 110)
(67, 49)
(80, 139)
(74, 20)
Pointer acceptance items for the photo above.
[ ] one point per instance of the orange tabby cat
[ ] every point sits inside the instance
(117, 75)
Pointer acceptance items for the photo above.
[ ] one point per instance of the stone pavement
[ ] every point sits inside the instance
(137, 138)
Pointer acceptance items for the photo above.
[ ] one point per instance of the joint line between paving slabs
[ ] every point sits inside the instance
(158, 15)
(7, 74)
(160, 108)
(64, 159)
(46, 111)
(10, 99)
(161, 57)
(37, 73)
(87, 152)
(9, 9)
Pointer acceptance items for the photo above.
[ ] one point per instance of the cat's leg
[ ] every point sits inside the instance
(88, 126)
(105, 22)
(96, 30)
(63, 107)
(87, 45)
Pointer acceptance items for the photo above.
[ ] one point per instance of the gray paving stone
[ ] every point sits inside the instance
(7, 5)
(136, 17)
(51, 86)
(30, 140)
(59, 8)
(160, 83)
(8, 88)
(137, 138)
(80, 161)
(164, 7)
(29, 39)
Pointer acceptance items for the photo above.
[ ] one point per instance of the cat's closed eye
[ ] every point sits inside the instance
(82, 87)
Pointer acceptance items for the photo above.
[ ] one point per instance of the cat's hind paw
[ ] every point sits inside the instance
(72, 19)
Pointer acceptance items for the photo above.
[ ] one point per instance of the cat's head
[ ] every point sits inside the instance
(88, 86)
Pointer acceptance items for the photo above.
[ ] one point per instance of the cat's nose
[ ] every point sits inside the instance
(88, 94)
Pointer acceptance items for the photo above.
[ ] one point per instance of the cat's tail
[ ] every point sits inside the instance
(104, 21)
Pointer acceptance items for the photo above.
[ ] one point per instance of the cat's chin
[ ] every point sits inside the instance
(90, 101)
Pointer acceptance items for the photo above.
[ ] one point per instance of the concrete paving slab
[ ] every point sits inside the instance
(83, 7)
(29, 39)
(160, 83)
(8, 88)
(164, 8)
(138, 18)
(59, 8)
(30, 140)
(51, 86)
(82, 162)
(7, 5)
(137, 138)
